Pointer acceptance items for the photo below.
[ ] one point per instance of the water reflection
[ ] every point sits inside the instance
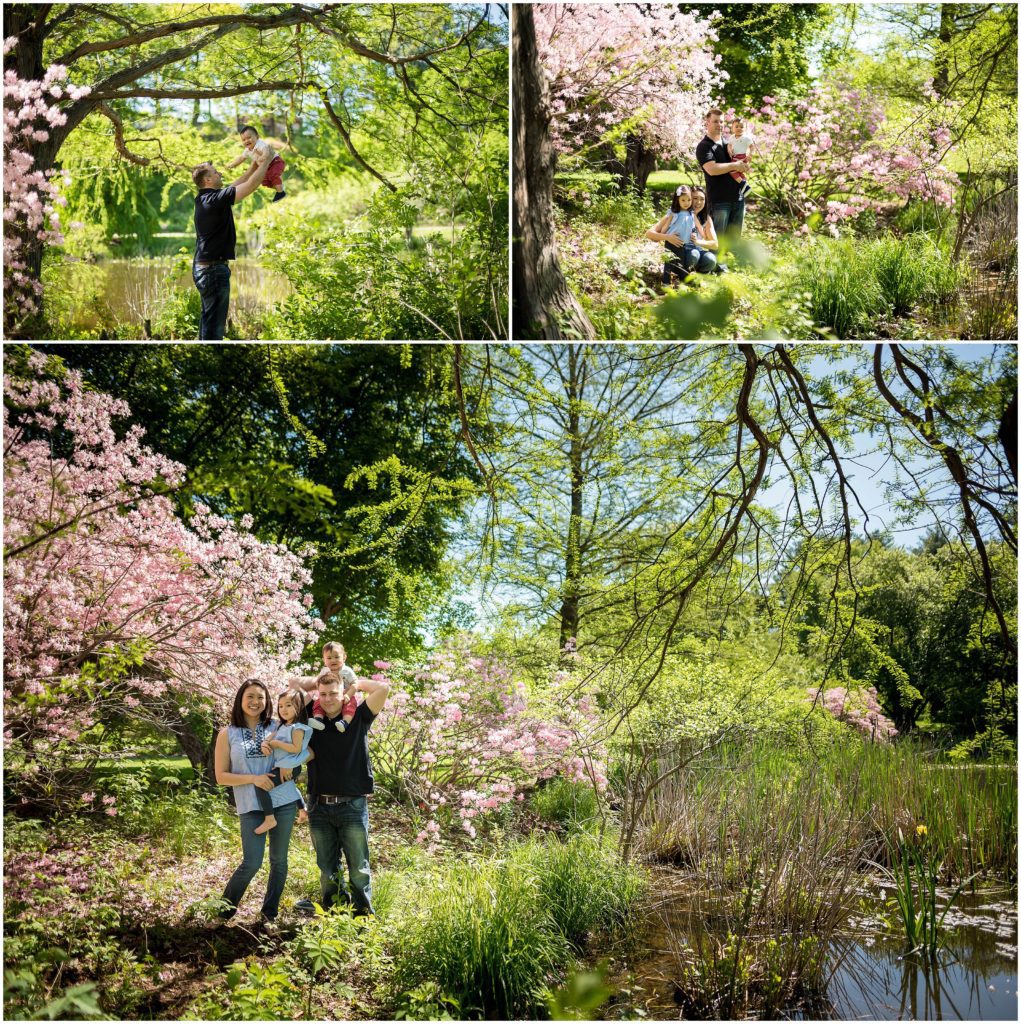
(874, 983)
(974, 978)
(132, 291)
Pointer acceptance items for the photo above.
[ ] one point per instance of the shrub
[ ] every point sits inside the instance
(563, 802)
(913, 269)
(483, 934)
(461, 737)
(583, 885)
(626, 212)
(854, 284)
(845, 296)
(493, 935)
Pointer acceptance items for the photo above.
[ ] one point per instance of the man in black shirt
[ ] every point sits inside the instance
(216, 238)
(339, 782)
(723, 193)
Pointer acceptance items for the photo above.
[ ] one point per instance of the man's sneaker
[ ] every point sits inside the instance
(279, 196)
(305, 907)
(341, 725)
(720, 268)
(316, 723)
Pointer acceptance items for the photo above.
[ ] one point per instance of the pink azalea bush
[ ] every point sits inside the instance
(31, 194)
(858, 708)
(831, 154)
(460, 738)
(650, 67)
(113, 605)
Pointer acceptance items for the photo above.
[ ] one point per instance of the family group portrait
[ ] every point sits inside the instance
(561, 681)
(255, 171)
(765, 170)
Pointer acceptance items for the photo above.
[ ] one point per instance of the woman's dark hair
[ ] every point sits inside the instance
(675, 206)
(237, 716)
(298, 700)
(705, 213)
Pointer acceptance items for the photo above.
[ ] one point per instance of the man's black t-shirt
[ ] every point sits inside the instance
(341, 766)
(719, 188)
(214, 224)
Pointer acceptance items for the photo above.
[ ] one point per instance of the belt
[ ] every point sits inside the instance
(208, 263)
(329, 798)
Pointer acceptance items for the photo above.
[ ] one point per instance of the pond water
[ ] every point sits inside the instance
(974, 978)
(131, 291)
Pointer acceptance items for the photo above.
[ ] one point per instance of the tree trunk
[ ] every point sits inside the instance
(570, 610)
(1008, 435)
(544, 307)
(947, 28)
(198, 753)
(639, 162)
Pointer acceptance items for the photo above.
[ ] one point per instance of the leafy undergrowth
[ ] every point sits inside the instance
(878, 284)
(106, 917)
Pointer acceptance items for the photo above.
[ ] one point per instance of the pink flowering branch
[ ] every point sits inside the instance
(648, 68)
(460, 738)
(31, 193)
(831, 155)
(114, 606)
(859, 709)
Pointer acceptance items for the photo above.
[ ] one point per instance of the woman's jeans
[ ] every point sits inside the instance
(253, 847)
(689, 259)
(213, 283)
(343, 829)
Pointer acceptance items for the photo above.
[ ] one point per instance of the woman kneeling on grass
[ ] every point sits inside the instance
(709, 240)
(241, 763)
(679, 231)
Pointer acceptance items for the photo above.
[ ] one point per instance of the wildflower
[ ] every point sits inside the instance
(921, 830)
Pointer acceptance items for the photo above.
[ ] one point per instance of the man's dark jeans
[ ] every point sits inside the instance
(213, 283)
(728, 217)
(343, 829)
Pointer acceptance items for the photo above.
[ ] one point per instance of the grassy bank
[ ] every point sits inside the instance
(106, 914)
(895, 277)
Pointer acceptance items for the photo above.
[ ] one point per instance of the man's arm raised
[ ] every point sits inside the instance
(253, 179)
(375, 693)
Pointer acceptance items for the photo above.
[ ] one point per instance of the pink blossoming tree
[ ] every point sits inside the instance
(460, 738)
(859, 709)
(31, 193)
(831, 154)
(640, 75)
(114, 606)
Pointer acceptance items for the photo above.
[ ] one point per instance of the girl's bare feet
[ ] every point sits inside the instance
(270, 822)
(302, 816)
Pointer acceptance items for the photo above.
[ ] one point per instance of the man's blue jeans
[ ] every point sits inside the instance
(253, 848)
(728, 217)
(343, 829)
(213, 283)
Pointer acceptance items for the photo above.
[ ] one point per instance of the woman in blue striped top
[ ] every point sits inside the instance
(241, 763)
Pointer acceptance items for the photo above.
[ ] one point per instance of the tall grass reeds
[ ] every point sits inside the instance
(970, 811)
(496, 935)
(775, 883)
(916, 875)
(856, 284)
